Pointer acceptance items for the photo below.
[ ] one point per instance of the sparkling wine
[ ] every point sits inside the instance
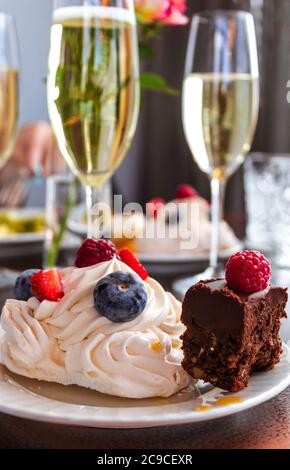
(93, 88)
(219, 115)
(8, 111)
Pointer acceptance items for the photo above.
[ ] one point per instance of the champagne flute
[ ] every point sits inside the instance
(9, 76)
(93, 88)
(220, 106)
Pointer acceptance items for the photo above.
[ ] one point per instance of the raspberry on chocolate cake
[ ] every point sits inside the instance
(232, 333)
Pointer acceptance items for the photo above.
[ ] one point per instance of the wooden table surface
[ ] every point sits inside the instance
(266, 426)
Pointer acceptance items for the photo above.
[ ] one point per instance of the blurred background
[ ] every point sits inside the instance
(159, 159)
(159, 143)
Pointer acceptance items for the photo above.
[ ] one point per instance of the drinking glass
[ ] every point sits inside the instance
(93, 88)
(220, 105)
(9, 96)
(260, 193)
(65, 218)
(9, 76)
(268, 205)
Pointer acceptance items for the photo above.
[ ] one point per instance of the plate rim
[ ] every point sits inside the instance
(184, 417)
(23, 238)
(187, 258)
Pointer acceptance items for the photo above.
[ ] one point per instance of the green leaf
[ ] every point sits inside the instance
(148, 31)
(154, 82)
(145, 50)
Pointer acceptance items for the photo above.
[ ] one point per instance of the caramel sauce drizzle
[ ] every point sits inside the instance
(157, 346)
(203, 408)
(223, 401)
(226, 401)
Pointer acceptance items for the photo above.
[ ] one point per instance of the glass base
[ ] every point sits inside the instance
(181, 286)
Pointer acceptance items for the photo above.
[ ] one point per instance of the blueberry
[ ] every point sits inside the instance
(22, 288)
(120, 297)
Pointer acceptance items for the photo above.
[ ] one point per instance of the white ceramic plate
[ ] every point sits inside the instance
(22, 238)
(165, 265)
(48, 402)
(185, 258)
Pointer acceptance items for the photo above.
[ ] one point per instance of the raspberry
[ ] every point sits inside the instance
(248, 272)
(154, 205)
(185, 191)
(47, 285)
(94, 251)
(128, 258)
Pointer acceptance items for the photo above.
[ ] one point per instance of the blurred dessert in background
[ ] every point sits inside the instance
(13, 222)
(184, 226)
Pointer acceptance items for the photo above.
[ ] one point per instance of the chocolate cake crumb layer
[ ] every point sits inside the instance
(228, 335)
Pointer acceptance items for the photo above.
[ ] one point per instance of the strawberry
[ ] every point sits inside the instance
(47, 285)
(128, 258)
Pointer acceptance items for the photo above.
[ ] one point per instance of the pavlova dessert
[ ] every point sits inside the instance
(102, 324)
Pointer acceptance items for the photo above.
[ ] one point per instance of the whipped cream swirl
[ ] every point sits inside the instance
(71, 343)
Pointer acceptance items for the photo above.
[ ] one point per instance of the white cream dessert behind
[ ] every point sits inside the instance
(193, 230)
(69, 342)
(181, 226)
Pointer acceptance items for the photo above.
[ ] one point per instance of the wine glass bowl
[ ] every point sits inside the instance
(219, 140)
(9, 78)
(93, 87)
(220, 102)
(221, 90)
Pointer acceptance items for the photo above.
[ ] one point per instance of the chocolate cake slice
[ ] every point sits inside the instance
(231, 335)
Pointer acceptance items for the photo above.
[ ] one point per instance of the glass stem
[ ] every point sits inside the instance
(93, 197)
(217, 193)
(89, 204)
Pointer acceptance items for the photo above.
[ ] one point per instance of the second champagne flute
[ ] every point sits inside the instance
(9, 85)
(220, 106)
(93, 87)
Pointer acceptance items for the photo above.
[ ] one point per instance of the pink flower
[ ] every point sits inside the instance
(163, 11)
(176, 13)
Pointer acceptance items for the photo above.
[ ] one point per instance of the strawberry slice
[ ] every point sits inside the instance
(47, 285)
(128, 258)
